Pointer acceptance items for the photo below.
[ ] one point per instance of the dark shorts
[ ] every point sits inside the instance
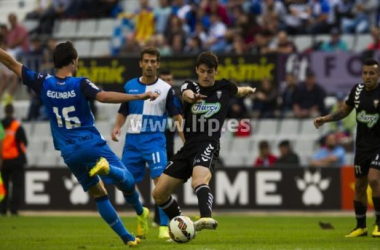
(364, 161)
(202, 154)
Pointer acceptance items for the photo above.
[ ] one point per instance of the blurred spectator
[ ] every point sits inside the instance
(296, 17)
(265, 102)
(237, 109)
(200, 32)
(309, 98)
(216, 36)
(287, 97)
(375, 45)
(261, 44)
(283, 45)
(17, 38)
(194, 46)
(144, 23)
(162, 14)
(100, 8)
(273, 8)
(247, 25)
(265, 158)
(177, 44)
(162, 46)
(3, 31)
(348, 124)
(180, 8)
(287, 157)
(213, 7)
(131, 47)
(41, 7)
(174, 28)
(359, 22)
(237, 47)
(14, 161)
(335, 44)
(319, 13)
(47, 64)
(331, 154)
(59, 9)
(7, 78)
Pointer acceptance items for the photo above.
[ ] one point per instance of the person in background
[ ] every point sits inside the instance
(14, 161)
(309, 98)
(346, 125)
(335, 44)
(265, 158)
(287, 156)
(330, 154)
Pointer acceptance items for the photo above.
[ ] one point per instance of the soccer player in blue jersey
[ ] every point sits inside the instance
(145, 141)
(83, 149)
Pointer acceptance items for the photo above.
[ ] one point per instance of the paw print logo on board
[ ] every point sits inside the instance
(312, 186)
(77, 195)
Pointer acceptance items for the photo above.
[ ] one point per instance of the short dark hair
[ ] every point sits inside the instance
(165, 72)
(151, 51)
(370, 62)
(9, 110)
(209, 59)
(284, 143)
(263, 144)
(64, 54)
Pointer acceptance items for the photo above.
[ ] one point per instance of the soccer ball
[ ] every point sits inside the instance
(181, 229)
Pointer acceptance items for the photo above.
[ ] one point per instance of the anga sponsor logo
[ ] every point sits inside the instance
(370, 119)
(209, 109)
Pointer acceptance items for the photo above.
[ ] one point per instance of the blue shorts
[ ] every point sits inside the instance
(142, 149)
(81, 161)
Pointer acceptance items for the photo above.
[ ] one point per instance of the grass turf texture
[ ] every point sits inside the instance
(234, 232)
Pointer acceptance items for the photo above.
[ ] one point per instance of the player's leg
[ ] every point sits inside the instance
(109, 214)
(165, 186)
(79, 163)
(200, 184)
(360, 199)
(374, 182)
(155, 156)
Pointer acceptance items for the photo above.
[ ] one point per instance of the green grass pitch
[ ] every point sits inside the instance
(234, 232)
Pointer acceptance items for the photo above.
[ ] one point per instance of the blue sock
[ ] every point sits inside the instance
(108, 213)
(164, 220)
(134, 201)
(123, 179)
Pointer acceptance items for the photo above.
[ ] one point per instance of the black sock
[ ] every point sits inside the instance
(205, 200)
(156, 215)
(376, 205)
(171, 208)
(360, 214)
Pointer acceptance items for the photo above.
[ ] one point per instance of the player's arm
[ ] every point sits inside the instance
(341, 113)
(244, 91)
(116, 97)
(179, 123)
(11, 63)
(190, 97)
(121, 117)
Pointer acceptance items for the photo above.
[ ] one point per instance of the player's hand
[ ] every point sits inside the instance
(250, 91)
(319, 121)
(197, 98)
(149, 95)
(115, 134)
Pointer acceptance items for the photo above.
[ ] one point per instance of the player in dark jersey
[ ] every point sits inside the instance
(205, 109)
(83, 149)
(364, 98)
